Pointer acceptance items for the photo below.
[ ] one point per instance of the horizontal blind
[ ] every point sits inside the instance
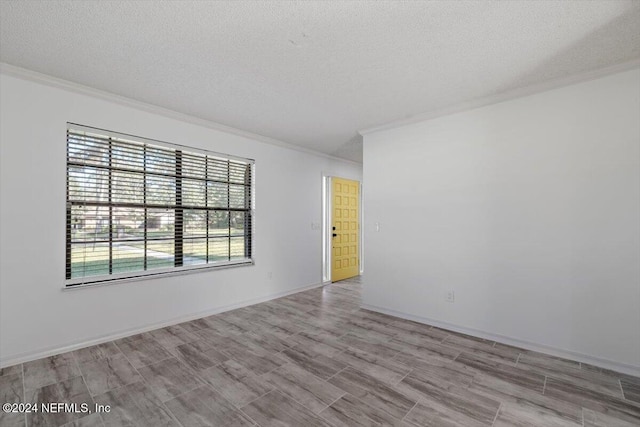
(137, 207)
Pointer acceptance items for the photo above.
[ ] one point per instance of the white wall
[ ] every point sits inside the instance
(37, 317)
(529, 210)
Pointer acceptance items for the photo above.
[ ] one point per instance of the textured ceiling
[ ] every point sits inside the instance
(314, 73)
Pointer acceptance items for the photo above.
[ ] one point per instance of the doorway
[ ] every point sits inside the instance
(345, 229)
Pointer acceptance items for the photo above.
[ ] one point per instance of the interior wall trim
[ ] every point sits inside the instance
(50, 351)
(34, 76)
(502, 339)
(506, 96)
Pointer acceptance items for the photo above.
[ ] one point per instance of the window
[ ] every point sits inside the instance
(138, 207)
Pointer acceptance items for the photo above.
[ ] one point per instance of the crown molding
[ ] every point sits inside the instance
(506, 96)
(34, 76)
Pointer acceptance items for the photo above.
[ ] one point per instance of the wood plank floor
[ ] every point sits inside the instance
(316, 359)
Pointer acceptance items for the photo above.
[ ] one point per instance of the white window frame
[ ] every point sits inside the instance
(101, 279)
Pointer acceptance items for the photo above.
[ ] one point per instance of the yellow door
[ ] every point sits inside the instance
(345, 253)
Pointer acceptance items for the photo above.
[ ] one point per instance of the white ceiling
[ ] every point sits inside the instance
(314, 73)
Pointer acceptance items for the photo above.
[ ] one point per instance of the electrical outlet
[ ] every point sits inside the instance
(270, 275)
(449, 296)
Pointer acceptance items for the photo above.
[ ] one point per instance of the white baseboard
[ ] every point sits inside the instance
(51, 351)
(527, 345)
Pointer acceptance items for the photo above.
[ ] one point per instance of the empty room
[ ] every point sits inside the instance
(320, 213)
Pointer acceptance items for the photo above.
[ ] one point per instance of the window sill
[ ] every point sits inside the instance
(71, 285)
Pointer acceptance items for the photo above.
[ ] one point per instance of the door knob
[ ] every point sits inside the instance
(334, 234)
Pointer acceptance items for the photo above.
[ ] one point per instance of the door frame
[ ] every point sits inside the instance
(327, 220)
